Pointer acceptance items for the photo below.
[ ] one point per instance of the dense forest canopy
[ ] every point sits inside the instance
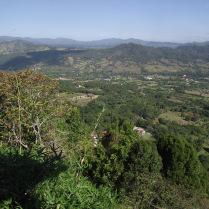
(111, 143)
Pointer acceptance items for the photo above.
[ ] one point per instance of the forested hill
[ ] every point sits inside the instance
(19, 46)
(125, 58)
(144, 54)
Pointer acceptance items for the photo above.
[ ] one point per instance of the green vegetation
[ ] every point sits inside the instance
(126, 60)
(72, 143)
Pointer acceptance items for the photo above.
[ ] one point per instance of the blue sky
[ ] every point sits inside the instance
(157, 20)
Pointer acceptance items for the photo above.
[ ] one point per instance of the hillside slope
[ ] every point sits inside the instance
(18, 46)
(125, 58)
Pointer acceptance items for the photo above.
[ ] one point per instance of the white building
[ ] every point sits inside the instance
(139, 130)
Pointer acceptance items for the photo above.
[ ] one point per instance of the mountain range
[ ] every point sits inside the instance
(104, 43)
(120, 59)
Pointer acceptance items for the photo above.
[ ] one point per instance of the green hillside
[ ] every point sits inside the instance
(100, 144)
(126, 59)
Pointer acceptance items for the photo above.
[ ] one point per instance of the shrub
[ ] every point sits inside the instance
(181, 163)
(19, 174)
(72, 191)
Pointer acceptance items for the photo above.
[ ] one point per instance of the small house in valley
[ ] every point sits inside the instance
(139, 130)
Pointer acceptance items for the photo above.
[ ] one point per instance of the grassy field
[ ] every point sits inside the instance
(79, 99)
(197, 93)
(161, 68)
(174, 117)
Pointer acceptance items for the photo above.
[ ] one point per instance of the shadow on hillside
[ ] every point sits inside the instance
(20, 174)
(49, 57)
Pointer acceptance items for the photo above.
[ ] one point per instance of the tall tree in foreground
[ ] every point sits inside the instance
(181, 163)
(27, 107)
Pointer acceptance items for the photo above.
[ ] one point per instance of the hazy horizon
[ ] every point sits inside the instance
(177, 21)
(106, 38)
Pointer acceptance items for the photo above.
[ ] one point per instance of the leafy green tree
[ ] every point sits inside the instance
(141, 173)
(181, 163)
(106, 165)
(74, 125)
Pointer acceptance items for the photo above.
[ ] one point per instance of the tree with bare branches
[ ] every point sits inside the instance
(28, 103)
